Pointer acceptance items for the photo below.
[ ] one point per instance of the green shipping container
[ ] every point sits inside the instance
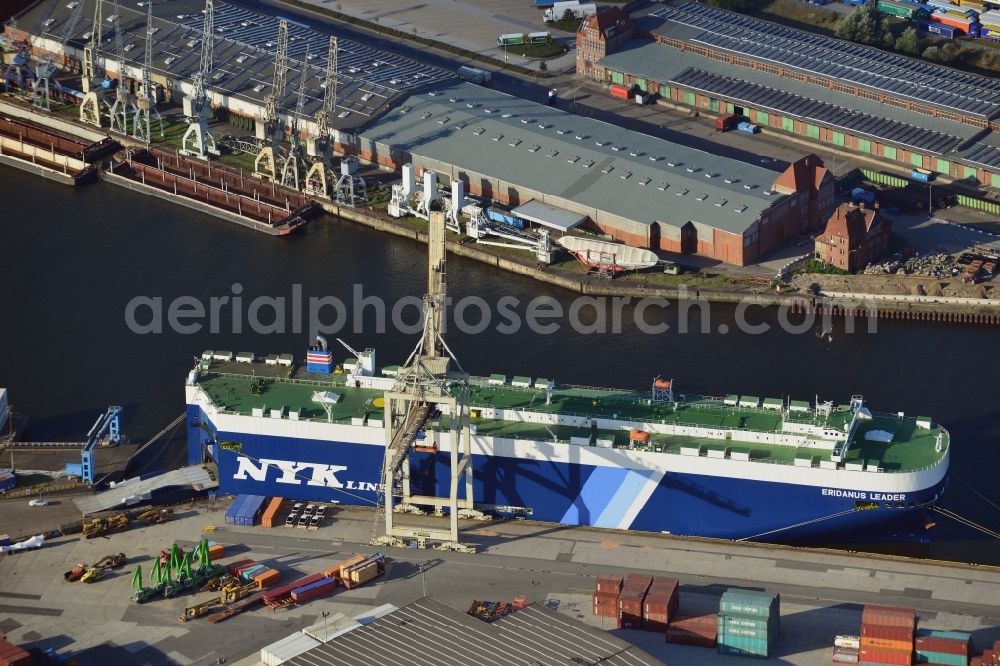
(941, 633)
(943, 658)
(761, 652)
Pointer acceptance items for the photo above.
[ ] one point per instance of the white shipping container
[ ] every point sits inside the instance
(281, 651)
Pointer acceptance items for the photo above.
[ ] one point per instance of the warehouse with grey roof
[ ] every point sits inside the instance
(906, 112)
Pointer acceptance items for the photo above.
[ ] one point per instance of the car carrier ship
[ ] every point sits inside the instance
(660, 460)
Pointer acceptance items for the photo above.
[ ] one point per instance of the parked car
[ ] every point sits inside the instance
(38, 501)
(303, 520)
(321, 511)
(310, 508)
(292, 519)
(315, 521)
(297, 507)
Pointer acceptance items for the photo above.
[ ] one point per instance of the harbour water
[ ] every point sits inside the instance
(73, 259)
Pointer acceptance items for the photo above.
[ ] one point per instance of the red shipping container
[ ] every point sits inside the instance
(976, 661)
(630, 608)
(608, 584)
(328, 586)
(635, 582)
(946, 645)
(285, 590)
(606, 605)
(235, 568)
(888, 616)
(657, 622)
(886, 656)
(619, 91)
(887, 632)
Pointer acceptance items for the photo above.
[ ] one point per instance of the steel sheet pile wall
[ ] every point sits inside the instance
(887, 635)
(661, 604)
(748, 623)
(631, 599)
(607, 587)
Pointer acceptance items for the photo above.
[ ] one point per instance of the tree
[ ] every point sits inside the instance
(568, 17)
(866, 25)
(932, 53)
(950, 52)
(908, 42)
(732, 5)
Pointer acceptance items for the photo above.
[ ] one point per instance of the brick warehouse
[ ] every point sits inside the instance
(825, 90)
(639, 189)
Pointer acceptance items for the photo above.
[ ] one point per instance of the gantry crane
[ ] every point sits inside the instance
(123, 103)
(92, 84)
(320, 147)
(427, 384)
(198, 140)
(106, 429)
(142, 128)
(41, 87)
(269, 128)
(290, 166)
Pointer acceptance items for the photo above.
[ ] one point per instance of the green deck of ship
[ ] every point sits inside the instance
(228, 385)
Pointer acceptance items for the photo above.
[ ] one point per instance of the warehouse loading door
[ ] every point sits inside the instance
(689, 239)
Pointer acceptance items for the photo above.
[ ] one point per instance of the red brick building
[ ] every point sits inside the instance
(855, 235)
(600, 35)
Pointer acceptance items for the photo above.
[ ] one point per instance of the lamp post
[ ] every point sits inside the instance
(326, 636)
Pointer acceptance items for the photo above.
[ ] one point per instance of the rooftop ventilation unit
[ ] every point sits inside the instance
(574, 159)
(681, 192)
(343, 114)
(257, 88)
(580, 137)
(242, 59)
(655, 158)
(169, 60)
(626, 175)
(663, 186)
(701, 197)
(442, 120)
(741, 208)
(478, 130)
(617, 148)
(425, 115)
(748, 186)
(489, 109)
(552, 153)
(515, 143)
(527, 120)
(634, 153)
(645, 181)
(692, 169)
(498, 137)
(507, 115)
(731, 180)
(534, 149)
(601, 143)
(588, 164)
(561, 131)
(366, 97)
(720, 203)
(709, 174)
(607, 169)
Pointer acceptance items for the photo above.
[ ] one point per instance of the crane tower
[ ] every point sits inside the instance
(123, 103)
(320, 147)
(198, 140)
(269, 128)
(93, 88)
(427, 385)
(142, 128)
(290, 167)
(41, 86)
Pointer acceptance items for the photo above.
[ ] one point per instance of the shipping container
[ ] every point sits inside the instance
(234, 567)
(942, 658)
(748, 602)
(849, 642)
(619, 91)
(609, 584)
(885, 656)
(267, 578)
(630, 606)
(937, 28)
(311, 591)
(285, 590)
(504, 217)
(250, 512)
(735, 627)
(270, 516)
(842, 655)
(637, 582)
(727, 122)
(234, 509)
(474, 74)
(943, 633)
(939, 644)
(890, 616)
(757, 649)
(216, 552)
(605, 605)
(250, 573)
(885, 632)
(698, 631)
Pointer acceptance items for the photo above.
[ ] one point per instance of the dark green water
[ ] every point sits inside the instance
(72, 259)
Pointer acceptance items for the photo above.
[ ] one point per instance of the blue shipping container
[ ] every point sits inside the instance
(234, 509)
(941, 633)
(250, 510)
(326, 582)
(936, 28)
(921, 176)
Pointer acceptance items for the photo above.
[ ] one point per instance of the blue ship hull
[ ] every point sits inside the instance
(576, 494)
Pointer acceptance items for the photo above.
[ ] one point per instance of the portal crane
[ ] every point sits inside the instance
(290, 167)
(41, 87)
(106, 429)
(92, 84)
(198, 140)
(142, 128)
(269, 129)
(320, 147)
(123, 103)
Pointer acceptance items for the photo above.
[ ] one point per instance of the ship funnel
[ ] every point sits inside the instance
(321, 343)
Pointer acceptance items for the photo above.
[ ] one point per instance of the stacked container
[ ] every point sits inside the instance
(234, 509)
(887, 635)
(266, 578)
(280, 593)
(315, 589)
(748, 623)
(948, 648)
(13, 655)
(660, 604)
(695, 630)
(846, 649)
(631, 599)
(989, 657)
(607, 587)
(271, 512)
(250, 573)
(235, 567)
